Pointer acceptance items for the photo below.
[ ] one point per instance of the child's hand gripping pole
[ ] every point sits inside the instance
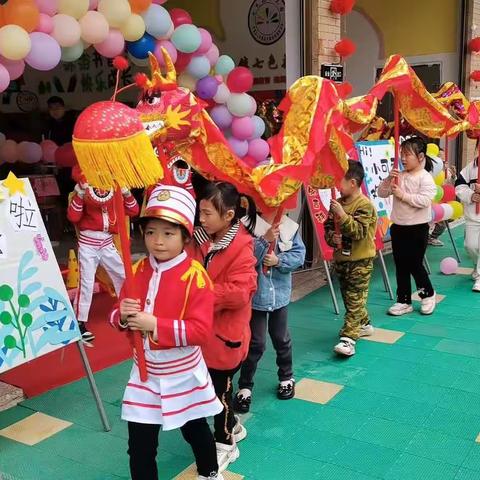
(129, 280)
(276, 221)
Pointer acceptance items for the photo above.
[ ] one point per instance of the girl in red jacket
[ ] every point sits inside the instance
(226, 250)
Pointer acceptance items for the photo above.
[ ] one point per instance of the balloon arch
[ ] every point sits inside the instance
(43, 33)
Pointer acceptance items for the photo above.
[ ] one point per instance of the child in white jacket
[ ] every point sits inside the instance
(468, 191)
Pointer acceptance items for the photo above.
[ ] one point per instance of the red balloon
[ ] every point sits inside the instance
(240, 80)
(180, 16)
(448, 194)
(183, 59)
(65, 156)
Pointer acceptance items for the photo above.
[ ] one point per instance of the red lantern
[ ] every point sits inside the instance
(180, 16)
(474, 45)
(345, 47)
(344, 89)
(342, 7)
(475, 76)
(240, 80)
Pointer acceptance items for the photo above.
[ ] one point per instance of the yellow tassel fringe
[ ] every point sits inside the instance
(129, 162)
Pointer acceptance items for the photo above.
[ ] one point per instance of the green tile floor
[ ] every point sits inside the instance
(408, 411)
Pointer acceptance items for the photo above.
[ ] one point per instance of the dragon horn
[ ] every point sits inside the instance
(171, 72)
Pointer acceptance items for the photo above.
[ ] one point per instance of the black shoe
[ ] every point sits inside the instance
(242, 401)
(87, 336)
(286, 390)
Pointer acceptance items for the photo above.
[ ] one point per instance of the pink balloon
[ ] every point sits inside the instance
(15, 67)
(48, 151)
(4, 78)
(29, 152)
(113, 45)
(219, 78)
(437, 212)
(93, 4)
(448, 266)
(206, 41)
(169, 47)
(45, 53)
(9, 151)
(258, 149)
(213, 54)
(45, 24)
(242, 128)
(49, 7)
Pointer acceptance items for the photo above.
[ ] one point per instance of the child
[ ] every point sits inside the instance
(354, 253)
(413, 190)
(174, 308)
(93, 213)
(226, 250)
(270, 304)
(468, 191)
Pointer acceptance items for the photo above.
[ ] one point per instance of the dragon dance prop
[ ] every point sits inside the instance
(114, 151)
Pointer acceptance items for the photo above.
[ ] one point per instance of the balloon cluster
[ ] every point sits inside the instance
(41, 33)
(31, 152)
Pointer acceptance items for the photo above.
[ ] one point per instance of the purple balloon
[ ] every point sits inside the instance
(221, 116)
(240, 147)
(4, 78)
(242, 128)
(258, 149)
(45, 53)
(207, 87)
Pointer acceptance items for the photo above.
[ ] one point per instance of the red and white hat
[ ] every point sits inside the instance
(172, 204)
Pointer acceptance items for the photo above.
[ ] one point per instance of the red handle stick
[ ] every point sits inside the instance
(445, 161)
(396, 133)
(129, 280)
(478, 177)
(276, 220)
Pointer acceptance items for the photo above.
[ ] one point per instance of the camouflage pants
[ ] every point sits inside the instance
(354, 278)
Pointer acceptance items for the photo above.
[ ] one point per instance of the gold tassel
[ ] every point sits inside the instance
(129, 162)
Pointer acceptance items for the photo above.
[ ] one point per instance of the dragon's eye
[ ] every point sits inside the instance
(153, 100)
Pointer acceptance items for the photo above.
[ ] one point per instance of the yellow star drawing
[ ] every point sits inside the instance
(14, 184)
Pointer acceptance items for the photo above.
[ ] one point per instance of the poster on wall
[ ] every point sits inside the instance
(36, 316)
(377, 160)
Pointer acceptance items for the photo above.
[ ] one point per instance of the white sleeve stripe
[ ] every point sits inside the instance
(176, 333)
(184, 333)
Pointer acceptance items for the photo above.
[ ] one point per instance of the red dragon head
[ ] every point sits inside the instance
(168, 112)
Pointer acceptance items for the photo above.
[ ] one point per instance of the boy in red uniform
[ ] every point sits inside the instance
(92, 211)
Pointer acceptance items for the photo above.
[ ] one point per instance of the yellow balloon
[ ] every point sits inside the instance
(15, 42)
(74, 8)
(440, 178)
(115, 11)
(432, 150)
(134, 28)
(457, 209)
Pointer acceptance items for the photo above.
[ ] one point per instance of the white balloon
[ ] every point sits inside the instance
(437, 166)
(222, 95)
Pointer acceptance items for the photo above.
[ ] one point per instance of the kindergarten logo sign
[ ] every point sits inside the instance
(35, 314)
(266, 21)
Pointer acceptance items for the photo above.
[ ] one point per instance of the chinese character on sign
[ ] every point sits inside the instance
(258, 63)
(243, 62)
(272, 63)
(22, 214)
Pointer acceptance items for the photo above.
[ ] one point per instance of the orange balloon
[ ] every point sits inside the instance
(139, 6)
(23, 13)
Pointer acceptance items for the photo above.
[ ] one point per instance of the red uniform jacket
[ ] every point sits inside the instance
(233, 274)
(183, 303)
(89, 214)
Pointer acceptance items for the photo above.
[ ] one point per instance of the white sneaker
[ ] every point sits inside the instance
(346, 347)
(226, 454)
(367, 330)
(399, 309)
(428, 304)
(475, 275)
(212, 476)
(476, 285)
(239, 431)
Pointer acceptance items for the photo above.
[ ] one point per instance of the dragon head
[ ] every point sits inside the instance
(168, 112)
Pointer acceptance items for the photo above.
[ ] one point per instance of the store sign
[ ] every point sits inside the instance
(335, 73)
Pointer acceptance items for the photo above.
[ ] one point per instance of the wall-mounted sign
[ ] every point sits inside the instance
(335, 73)
(266, 21)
